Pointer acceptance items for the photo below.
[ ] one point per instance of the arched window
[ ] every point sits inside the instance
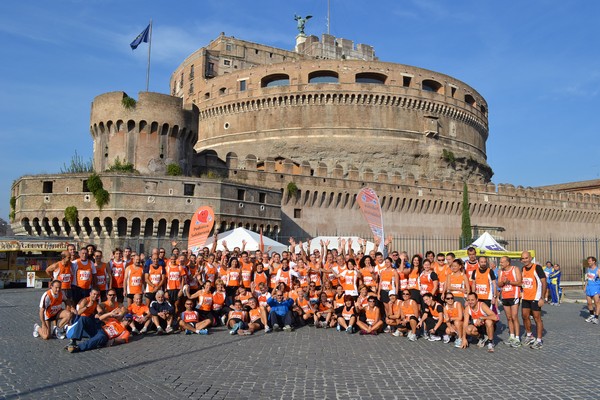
(470, 100)
(429, 85)
(275, 80)
(323, 77)
(370, 77)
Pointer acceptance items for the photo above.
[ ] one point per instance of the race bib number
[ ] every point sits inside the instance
(84, 275)
(66, 278)
(481, 289)
(385, 285)
(527, 283)
(136, 281)
(174, 276)
(155, 279)
(101, 280)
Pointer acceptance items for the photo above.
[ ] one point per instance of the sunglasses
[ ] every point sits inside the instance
(405, 294)
(449, 298)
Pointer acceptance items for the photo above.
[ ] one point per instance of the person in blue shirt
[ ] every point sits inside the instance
(554, 285)
(548, 269)
(281, 312)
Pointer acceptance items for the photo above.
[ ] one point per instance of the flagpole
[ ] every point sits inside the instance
(149, 47)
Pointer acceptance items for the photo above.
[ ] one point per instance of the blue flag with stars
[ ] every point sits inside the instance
(142, 37)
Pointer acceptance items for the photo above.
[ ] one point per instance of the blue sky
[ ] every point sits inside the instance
(536, 63)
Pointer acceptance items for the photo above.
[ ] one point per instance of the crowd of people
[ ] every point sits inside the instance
(437, 297)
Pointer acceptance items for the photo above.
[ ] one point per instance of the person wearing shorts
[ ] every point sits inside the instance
(592, 290)
(510, 281)
(479, 322)
(534, 285)
(257, 318)
(409, 316)
(191, 322)
(52, 311)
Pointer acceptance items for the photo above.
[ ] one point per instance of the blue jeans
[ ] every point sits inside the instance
(83, 327)
(280, 320)
(96, 341)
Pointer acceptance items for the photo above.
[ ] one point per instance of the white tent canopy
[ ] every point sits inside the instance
(487, 242)
(235, 237)
(315, 243)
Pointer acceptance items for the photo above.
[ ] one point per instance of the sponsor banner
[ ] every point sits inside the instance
(25, 245)
(371, 211)
(200, 227)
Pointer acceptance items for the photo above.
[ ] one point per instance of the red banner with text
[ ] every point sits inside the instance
(371, 211)
(200, 227)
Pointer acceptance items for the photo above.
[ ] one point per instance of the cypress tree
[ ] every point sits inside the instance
(465, 237)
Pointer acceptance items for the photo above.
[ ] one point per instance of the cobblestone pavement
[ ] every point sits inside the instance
(306, 364)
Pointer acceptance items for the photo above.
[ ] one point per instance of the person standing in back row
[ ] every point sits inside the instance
(534, 286)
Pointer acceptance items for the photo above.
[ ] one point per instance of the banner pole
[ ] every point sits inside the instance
(149, 47)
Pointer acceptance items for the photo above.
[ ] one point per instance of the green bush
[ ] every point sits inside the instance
(448, 156)
(13, 202)
(94, 183)
(11, 216)
(102, 197)
(71, 215)
(78, 165)
(174, 170)
(121, 166)
(292, 189)
(128, 102)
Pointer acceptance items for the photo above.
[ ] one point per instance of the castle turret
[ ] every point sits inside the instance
(151, 133)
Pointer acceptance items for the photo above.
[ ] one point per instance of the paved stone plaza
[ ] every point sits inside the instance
(305, 364)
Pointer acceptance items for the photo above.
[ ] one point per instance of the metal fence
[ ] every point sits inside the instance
(570, 253)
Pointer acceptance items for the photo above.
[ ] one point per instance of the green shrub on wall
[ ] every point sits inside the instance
(174, 170)
(71, 215)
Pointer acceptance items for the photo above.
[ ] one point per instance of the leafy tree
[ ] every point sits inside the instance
(465, 237)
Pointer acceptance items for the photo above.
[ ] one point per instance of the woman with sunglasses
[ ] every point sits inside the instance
(453, 315)
(347, 317)
(409, 316)
(370, 322)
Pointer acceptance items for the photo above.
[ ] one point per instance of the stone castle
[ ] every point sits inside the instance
(283, 141)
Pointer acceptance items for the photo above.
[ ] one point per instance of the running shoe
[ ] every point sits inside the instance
(458, 342)
(387, 329)
(338, 328)
(35, 330)
(224, 319)
(590, 318)
(169, 329)
(60, 334)
(397, 333)
(516, 343)
(160, 330)
(188, 332)
(73, 348)
(426, 336)
(135, 331)
(482, 341)
(490, 347)
(536, 345)
(243, 332)
(267, 329)
(446, 339)
(202, 331)
(434, 338)
(595, 321)
(528, 339)
(276, 327)
(144, 330)
(287, 328)
(509, 341)
(412, 337)
(349, 329)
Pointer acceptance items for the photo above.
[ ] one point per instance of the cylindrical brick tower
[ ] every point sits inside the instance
(151, 133)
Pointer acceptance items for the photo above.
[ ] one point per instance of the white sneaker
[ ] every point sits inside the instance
(387, 329)
(412, 337)
(482, 340)
(595, 321)
(590, 318)
(267, 329)
(224, 319)
(446, 339)
(36, 333)
(169, 329)
(60, 334)
(276, 327)
(434, 338)
(397, 333)
(287, 328)
(458, 342)
(490, 347)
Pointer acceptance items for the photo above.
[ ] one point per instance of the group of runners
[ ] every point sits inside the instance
(437, 297)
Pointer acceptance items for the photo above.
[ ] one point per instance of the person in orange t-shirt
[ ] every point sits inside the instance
(140, 316)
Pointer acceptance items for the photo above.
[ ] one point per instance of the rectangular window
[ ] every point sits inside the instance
(242, 86)
(47, 187)
(262, 197)
(228, 47)
(226, 62)
(85, 188)
(241, 194)
(406, 81)
(297, 213)
(188, 189)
